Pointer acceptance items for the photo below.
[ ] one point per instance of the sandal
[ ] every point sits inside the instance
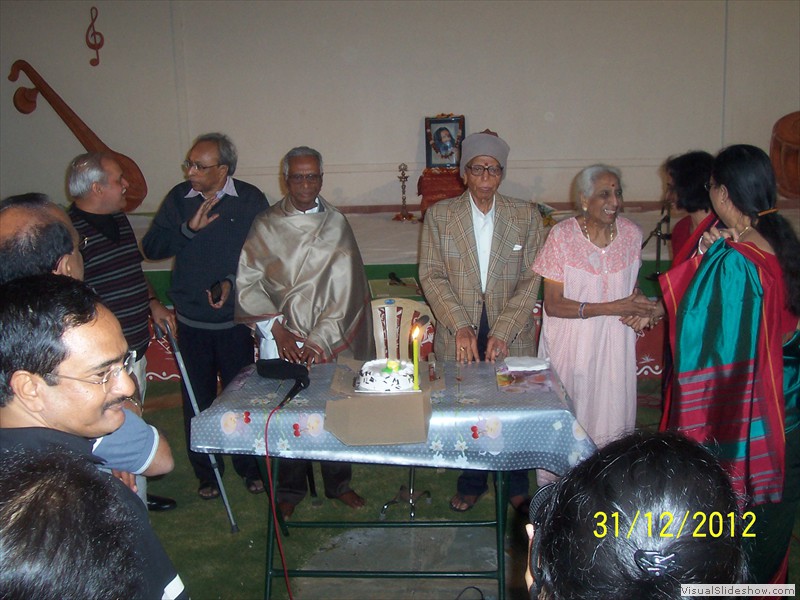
(522, 506)
(463, 502)
(208, 491)
(254, 485)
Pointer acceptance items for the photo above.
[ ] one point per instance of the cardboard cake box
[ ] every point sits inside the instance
(358, 419)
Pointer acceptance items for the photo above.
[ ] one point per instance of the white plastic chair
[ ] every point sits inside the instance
(393, 342)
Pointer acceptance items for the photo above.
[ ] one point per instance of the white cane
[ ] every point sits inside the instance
(196, 410)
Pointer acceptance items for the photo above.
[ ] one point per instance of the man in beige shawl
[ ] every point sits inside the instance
(301, 284)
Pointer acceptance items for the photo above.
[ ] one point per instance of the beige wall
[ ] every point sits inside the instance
(566, 83)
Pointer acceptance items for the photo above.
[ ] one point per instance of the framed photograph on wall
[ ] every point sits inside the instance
(443, 137)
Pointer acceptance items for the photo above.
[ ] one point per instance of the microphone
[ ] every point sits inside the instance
(666, 209)
(276, 368)
(664, 221)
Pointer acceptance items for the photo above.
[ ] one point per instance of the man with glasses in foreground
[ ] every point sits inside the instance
(301, 284)
(64, 376)
(476, 254)
(37, 237)
(203, 223)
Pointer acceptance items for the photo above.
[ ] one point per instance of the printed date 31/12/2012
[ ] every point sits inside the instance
(668, 525)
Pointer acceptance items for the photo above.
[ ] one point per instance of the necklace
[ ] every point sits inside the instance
(612, 229)
(743, 231)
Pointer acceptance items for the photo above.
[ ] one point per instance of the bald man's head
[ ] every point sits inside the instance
(37, 236)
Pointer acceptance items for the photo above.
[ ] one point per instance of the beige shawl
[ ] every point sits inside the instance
(307, 267)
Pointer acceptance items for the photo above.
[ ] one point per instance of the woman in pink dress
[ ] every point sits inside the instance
(592, 307)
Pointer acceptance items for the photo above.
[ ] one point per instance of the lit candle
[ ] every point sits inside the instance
(415, 342)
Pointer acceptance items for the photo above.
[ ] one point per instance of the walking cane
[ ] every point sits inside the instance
(196, 410)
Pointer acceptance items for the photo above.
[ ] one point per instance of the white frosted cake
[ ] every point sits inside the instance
(385, 376)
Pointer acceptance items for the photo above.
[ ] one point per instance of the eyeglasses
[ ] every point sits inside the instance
(710, 184)
(300, 178)
(478, 170)
(188, 165)
(113, 372)
(83, 244)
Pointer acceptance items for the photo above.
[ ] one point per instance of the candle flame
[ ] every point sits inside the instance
(415, 333)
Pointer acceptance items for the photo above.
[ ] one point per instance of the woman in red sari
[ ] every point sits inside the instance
(687, 175)
(686, 178)
(734, 318)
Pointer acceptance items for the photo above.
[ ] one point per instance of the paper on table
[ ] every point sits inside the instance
(527, 363)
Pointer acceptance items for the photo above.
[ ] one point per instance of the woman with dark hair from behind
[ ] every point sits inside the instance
(736, 387)
(592, 537)
(686, 179)
(687, 175)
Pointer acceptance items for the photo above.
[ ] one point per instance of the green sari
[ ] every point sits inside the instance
(737, 386)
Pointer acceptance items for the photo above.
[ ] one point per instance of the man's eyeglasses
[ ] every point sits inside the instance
(83, 244)
(113, 372)
(300, 178)
(710, 184)
(477, 170)
(188, 165)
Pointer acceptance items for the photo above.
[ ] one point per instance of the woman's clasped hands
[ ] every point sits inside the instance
(640, 312)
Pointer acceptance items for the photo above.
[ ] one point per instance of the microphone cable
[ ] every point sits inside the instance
(272, 498)
(301, 382)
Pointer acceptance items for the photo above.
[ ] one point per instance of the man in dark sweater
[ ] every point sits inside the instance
(203, 223)
(64, 375)
(113, 266)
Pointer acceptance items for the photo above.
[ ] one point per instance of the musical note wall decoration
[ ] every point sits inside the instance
(25, 102)
(94, 39)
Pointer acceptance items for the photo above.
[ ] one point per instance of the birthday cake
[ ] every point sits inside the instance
(385, 376)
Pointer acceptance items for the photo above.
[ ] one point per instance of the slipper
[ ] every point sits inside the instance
(254, 485)
(468, 501)
(208, 491)
(351, 499)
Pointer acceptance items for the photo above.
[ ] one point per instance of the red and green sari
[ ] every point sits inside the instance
(726, 325)
(737, 386)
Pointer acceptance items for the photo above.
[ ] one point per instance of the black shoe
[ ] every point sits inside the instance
(159, 503)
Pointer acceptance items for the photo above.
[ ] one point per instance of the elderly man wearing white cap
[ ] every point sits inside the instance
(476, 255)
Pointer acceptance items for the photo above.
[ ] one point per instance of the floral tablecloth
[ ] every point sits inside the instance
(474, 423)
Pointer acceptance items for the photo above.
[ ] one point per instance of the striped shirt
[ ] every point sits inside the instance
(114, 269)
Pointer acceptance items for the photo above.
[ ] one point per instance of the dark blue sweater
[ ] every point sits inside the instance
(204, 257)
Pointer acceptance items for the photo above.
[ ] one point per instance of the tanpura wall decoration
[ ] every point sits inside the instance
(25, 102)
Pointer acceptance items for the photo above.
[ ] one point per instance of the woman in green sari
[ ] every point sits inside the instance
(734, 313)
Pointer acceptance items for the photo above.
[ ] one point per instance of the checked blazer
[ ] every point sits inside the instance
(451, 280)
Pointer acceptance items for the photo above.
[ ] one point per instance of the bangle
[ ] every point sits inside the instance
(580, 310)
(699, 249)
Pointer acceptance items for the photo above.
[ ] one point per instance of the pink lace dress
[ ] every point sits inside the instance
(595, 357)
